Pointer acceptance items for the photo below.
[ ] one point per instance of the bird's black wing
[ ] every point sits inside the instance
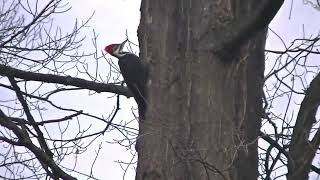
(135, 75)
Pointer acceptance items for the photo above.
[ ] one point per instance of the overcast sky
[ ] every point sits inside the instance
(112, 18)
(110, 21)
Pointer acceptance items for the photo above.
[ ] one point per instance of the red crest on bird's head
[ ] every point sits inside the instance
(116, 49)
(109, 48)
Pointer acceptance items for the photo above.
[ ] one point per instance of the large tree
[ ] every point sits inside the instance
(206, 61)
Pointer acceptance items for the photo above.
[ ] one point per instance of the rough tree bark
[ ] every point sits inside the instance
(301, 149)
(206, 61)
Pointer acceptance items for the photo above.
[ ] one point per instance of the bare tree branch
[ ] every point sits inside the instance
(30, 118)
(65, 80)
(281, 149)
(301, 158)
(25, 140)
(25, 28)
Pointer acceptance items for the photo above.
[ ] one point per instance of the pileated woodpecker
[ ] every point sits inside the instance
(134, 73)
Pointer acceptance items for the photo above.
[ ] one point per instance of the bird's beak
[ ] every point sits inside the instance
(122, 44)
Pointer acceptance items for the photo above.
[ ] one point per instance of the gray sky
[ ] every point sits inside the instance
(111, 20)
(301, 22)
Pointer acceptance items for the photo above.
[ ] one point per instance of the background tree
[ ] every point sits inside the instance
(206, 102)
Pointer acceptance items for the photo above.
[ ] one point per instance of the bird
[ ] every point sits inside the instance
(134, 73)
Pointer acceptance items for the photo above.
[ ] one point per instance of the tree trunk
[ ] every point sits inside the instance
(204, 108)
(302, 150)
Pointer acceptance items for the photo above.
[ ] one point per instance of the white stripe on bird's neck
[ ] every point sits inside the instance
(118, 53)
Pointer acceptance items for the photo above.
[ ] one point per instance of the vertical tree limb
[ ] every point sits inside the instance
(301, 150)
(30, 118)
